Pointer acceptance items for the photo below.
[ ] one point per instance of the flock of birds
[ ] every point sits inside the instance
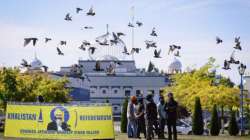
(116, 39)
(232, 60)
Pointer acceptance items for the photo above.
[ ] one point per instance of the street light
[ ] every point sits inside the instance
(241, 69)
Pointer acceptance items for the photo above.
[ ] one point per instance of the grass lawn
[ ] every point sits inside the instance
(180, 137)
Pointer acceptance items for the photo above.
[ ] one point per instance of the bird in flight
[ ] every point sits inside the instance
(25, 63)
(78, 10)
(120, 34)
(157, 53)
(153, 33)
(172, 48)
(28, 40)
(218, 40)
(47, 39)
(130, 25)
(150, 44)
(139, 24)
(135, 50)
(104, 43)
(177, 53)
(90, 12)
(125, 50)
(232, 59)
(88, 27)
(92, 50)
(237, 43)
(63, 43)
(59, 52)
(226, 65)
(68, 17)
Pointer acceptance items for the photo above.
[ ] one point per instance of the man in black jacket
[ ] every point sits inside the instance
(171, 109)
(151, 117)
(58, 124)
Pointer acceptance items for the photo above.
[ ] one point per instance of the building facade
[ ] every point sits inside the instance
(109, 80)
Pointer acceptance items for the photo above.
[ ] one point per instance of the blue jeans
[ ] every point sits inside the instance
(132, 128)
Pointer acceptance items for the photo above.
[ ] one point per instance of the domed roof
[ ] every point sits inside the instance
(174, 65)
(36, 64)
(108, 57)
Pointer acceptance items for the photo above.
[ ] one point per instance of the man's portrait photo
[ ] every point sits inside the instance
(59, 117)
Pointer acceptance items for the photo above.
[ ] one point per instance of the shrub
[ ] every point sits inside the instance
(197, 119)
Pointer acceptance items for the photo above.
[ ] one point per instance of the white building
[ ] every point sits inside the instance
(112, 80)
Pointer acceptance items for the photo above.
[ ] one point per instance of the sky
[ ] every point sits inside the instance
(192, 24)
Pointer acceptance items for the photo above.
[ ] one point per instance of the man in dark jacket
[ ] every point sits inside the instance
(151, 117)
(171, 109)
(140, 116)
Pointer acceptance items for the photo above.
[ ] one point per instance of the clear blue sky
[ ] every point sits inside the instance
(193, 24)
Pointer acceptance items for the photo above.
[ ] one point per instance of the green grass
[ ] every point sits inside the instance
(180, 137)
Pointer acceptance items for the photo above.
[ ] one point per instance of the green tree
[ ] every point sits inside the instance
(199, 83)
(197, 119)
(124, 120)
(25, 87)
(214, 130)
(233, 129)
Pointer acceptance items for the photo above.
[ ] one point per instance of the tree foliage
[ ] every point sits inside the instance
(215, 128)
(199, 83)
(25, 87)
(197, 119)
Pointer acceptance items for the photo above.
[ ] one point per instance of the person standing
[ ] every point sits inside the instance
(162, 116)
(151, 117)
(171, 109)
(140, 113)
(132, 123)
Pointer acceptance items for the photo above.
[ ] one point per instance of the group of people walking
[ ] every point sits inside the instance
(150, 119)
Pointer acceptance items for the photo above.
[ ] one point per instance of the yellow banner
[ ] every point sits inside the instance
(59, 121)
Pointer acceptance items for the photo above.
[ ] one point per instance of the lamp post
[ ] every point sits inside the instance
(241, 69)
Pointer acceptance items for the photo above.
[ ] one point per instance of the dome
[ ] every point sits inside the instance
(36, 64)
(109, 57)
(175, 65)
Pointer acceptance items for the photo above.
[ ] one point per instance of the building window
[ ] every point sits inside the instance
(138, 92)
(104, 91)
(127, 92)
(115, 91)
(151, 92)
(115, 108)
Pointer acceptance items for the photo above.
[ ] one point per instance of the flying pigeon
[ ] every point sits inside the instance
(92, 50)
(135, 50)
(150, 44)
(88, 27)
(104, 43)
(139, 24)
(47, 39)
(232, 59)
(63, 42)
(90, 12)
(226, 65)
(237, 43)
(177, 53)
(153, 33)
(78, 10)
(28, 40)
(59, 52)
(25, 63)
(172, 48)
(82, 47)
(157, 54)
(130, 25)
(68, 17)
(115, 39)
(120, 34)
(125, 50)
(218, 40)
(86, 43)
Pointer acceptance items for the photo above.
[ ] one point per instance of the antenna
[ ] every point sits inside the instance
(107, 28)
(132, 36)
